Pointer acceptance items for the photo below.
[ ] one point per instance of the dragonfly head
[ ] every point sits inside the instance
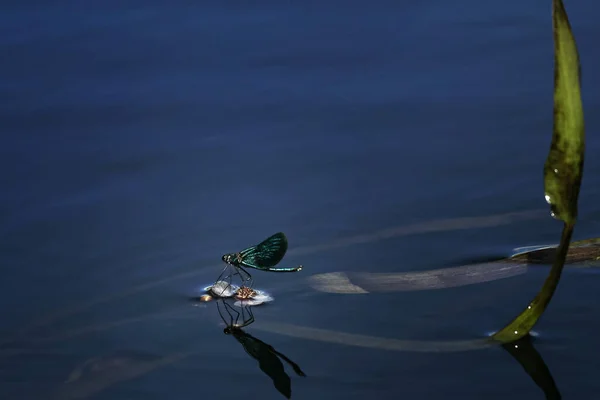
(232, 259)
(228, 330)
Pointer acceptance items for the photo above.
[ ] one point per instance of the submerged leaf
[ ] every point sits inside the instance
(581, 253)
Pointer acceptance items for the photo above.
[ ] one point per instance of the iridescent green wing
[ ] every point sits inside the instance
(266, 254)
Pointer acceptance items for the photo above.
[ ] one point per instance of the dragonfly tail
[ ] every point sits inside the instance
(286, 269)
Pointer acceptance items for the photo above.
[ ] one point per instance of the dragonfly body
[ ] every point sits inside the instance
(236, 260)
(263, 256)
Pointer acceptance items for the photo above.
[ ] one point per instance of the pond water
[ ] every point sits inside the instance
(143, 140)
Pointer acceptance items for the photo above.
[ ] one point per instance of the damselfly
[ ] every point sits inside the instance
(263, 256)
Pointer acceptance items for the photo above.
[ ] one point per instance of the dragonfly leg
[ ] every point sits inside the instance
(222, 272)
(221, 314)
(237, 272)
(230, 323)
(227, 279)
(237, 318)
(246, 278)
(250, 320)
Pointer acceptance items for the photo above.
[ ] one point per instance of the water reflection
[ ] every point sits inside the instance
(522, 350)
(102, 372)
(269, 359)
(532, 362)
(234, 322)
(443, 225)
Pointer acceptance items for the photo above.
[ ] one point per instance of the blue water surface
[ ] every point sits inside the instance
(142, 140)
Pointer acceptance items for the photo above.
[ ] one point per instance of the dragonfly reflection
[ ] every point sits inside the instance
(268, 358)
(246, 314)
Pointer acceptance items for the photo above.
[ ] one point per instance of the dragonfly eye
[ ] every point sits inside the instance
(227, 331)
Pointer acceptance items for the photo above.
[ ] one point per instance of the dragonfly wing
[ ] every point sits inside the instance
(267, 253)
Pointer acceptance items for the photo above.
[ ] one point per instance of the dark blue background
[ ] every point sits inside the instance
(142, 140)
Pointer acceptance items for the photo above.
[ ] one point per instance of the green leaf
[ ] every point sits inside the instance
(564, 166)
(563, 169)
(524, 322)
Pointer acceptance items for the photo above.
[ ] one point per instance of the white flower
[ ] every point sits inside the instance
(222, 289)
(257, 299)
